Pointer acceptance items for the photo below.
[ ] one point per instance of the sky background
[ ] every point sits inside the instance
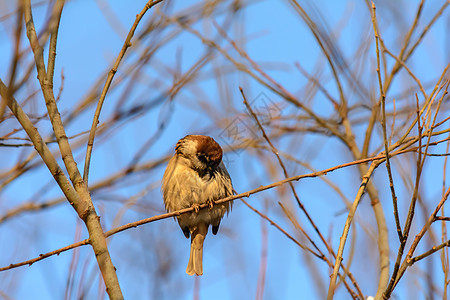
(91, 34)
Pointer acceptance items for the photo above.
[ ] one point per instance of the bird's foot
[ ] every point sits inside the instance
(196, 207)
(211, 204)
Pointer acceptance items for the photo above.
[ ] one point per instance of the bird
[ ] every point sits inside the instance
(196, 175)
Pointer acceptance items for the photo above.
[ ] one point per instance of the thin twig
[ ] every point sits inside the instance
(88, 213)
(408, 259)
(320, 256)
(286, 175)
(343, 239)
(283, 167)
(383, 124)
(434, 249)
(230, 198)
(108, 82)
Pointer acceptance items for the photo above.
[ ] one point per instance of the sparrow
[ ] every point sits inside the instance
(196, 175)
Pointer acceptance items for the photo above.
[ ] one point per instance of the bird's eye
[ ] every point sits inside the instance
(202, 157)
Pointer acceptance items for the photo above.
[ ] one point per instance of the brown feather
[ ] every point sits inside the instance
(196, 175)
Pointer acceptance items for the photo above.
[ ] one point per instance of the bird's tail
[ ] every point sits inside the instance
(195, 265)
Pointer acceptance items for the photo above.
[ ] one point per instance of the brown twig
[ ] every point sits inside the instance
(43, 256)
(408, 259)
(346, 271)
(286, 175)
(262, 273)
(433, 250)
(351, 214)
(444, 236)
(280, 162)
(230, 198)
(87, 213)
(383, 125)
(108, 82)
